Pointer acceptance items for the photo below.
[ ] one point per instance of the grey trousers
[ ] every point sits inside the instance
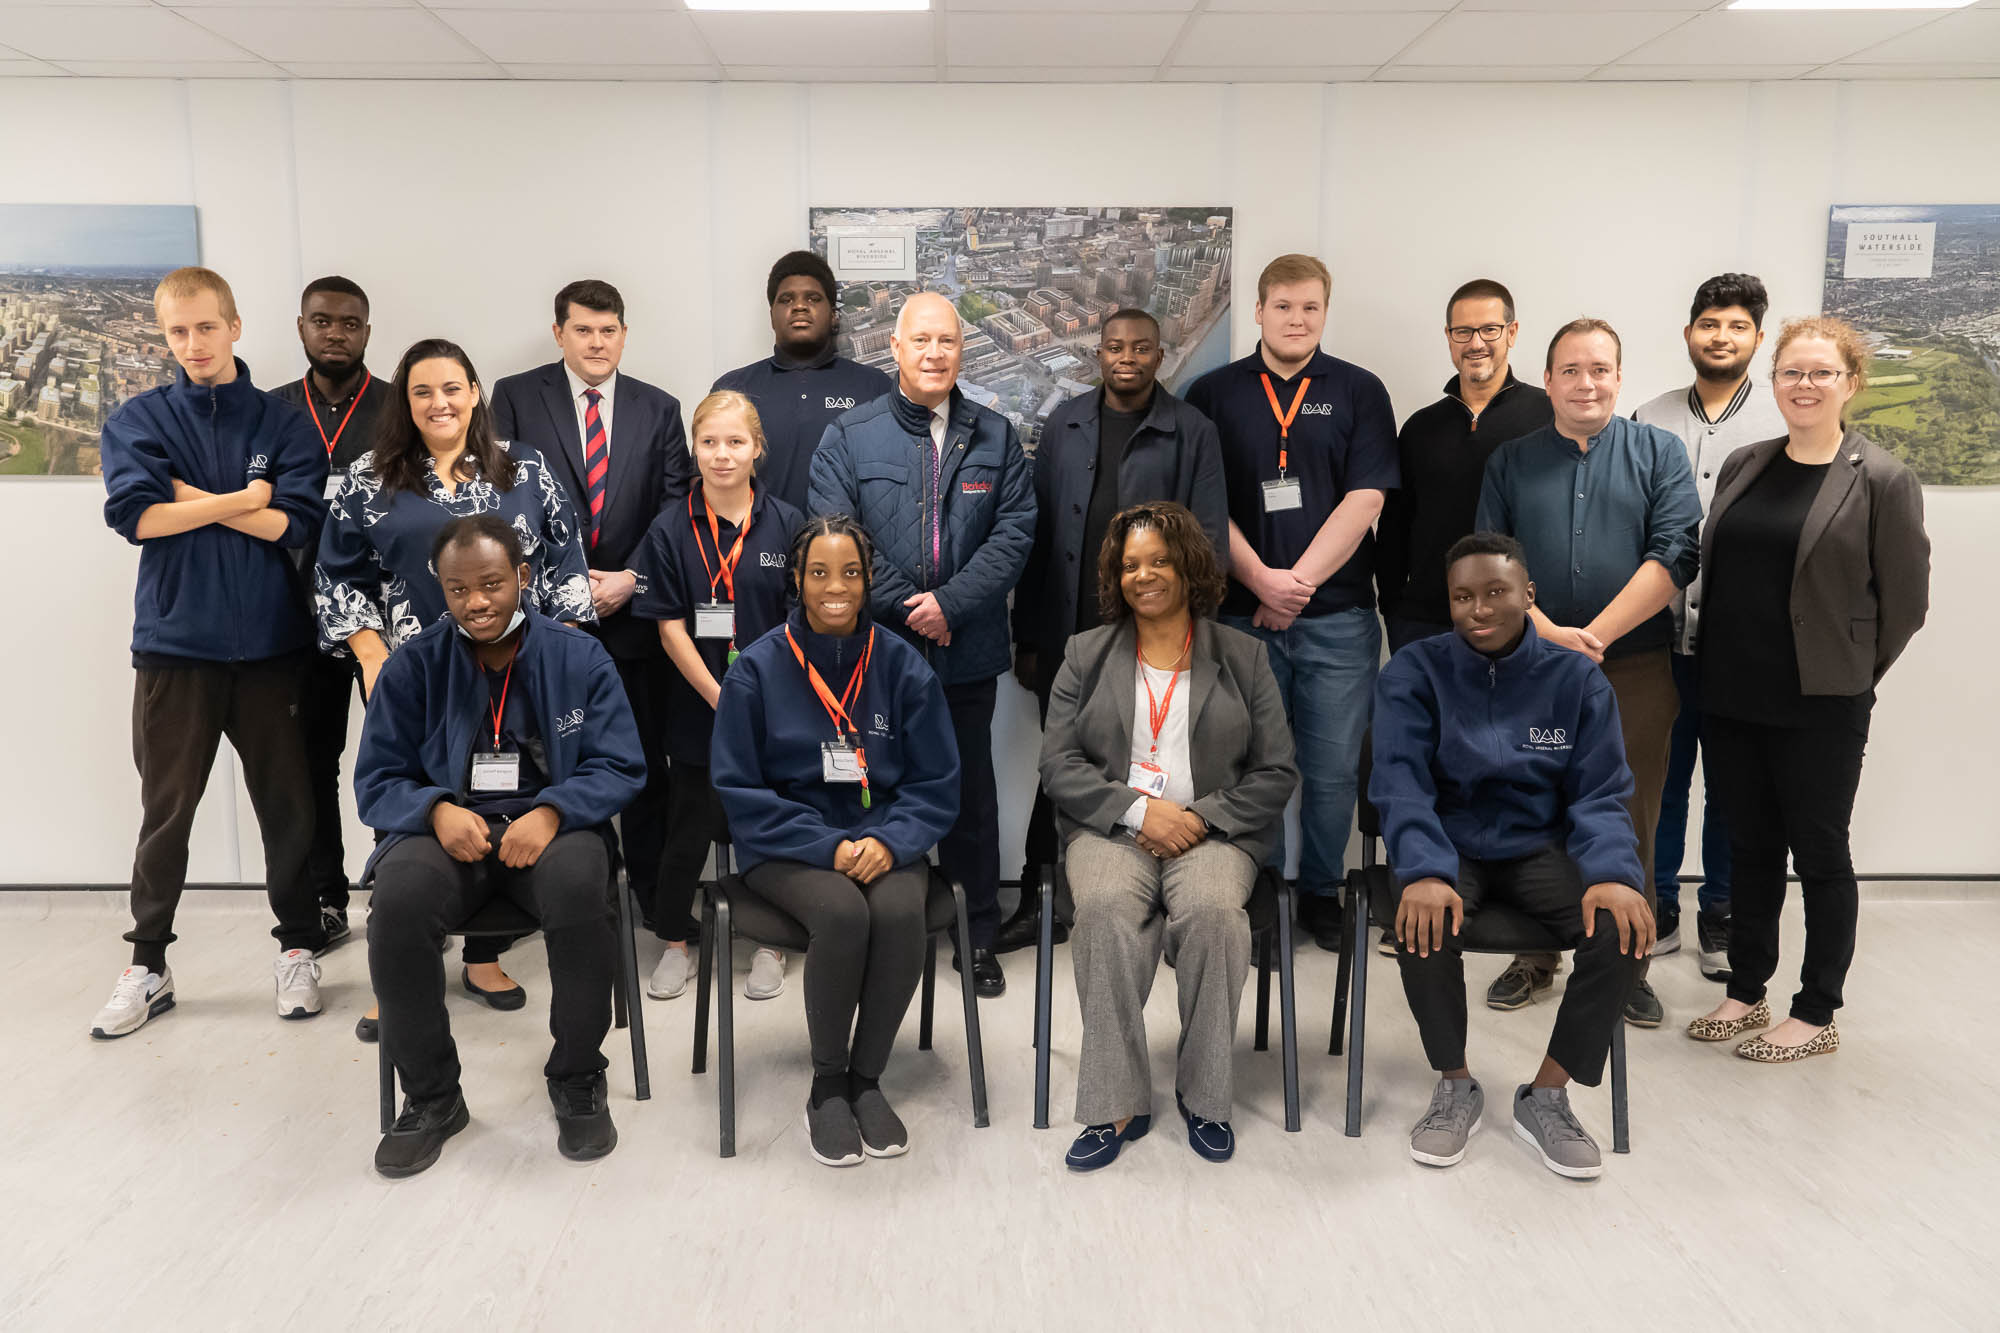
(1128, 905)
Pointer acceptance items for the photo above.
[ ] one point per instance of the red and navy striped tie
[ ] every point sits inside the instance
(596, 461)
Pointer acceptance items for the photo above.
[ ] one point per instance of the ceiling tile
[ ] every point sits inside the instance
(1970, 35)
(327, 35)
(380, 69)
(1589, 6)
(1287, 40)
(836, 74)
(1857, 69)
(1072, 6)
(30, 68)
(127, 32)
(193, 5)
(1262, 73)
(1400, 73)
(173, 69)
(1750, 37)
(656, 6)
(614, 73)
(806, 39)
(1432, 7)
(1535, 39)
(1697, 73)
(1065, 74)
(1058, 40)
(579, 37)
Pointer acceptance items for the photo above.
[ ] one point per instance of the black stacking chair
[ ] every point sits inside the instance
(729, 908)
(1270, 909)
(1495, 928)
(504, 917)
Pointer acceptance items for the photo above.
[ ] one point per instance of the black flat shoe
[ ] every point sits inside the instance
(504, 1000)
(988, 981)
(368, 1029)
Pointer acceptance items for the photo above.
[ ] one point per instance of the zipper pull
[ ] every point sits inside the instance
(1492, 675)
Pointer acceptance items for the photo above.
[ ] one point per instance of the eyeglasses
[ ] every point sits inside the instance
(1819, 379)
(1462, 333)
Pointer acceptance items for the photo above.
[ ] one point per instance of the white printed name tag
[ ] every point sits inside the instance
(1281, 495)
(496, 773)
(1147, 779)
(715, 620)
(839, 762)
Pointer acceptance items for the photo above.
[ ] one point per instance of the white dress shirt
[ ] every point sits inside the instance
(1173, 752)
(577, 388)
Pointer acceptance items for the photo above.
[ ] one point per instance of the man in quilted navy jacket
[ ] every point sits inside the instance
(945, 493)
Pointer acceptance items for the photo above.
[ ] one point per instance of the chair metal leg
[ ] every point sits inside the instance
(1357, 1015)
(619, 1017)
(1263, 949)
(628, 988)
(975, 1052)
(1621, 1123)
(1288, 1019)
(929, 1001)
(703, 963)
(725, 1028)
(1044, 998)
(1352, 937)
(386, 1077)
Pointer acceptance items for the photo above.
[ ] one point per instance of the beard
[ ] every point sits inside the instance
(334, 371)
(1727, 373)
(1480, 372)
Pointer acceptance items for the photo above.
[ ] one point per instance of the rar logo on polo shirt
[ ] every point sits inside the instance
(570, 723)
(1316, 409)
(770, 559)
(1548, 738)
(839, 404)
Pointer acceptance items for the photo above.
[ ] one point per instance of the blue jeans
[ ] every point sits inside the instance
(1325, 667)
(1670, 843)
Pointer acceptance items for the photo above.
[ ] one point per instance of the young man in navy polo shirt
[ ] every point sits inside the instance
(802, 386)
(1308, 455)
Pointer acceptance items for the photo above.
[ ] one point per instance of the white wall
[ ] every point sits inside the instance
(462, 206)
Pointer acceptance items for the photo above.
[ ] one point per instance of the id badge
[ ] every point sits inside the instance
(495, 773)
(839, 762)
(333, 480)
(1148, 779)
(715, 620)
(1281, 495)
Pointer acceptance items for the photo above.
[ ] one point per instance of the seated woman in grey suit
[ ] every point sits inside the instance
(1168, 759)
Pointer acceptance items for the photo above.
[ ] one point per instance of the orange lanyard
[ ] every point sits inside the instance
(500, 709)
(727, 574)
(1285, 419)
(836, 709)
(1156, 709)
(352, 403)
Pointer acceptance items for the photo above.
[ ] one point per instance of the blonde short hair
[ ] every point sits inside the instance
(192, 281)
(728, 400)
(1287, 269)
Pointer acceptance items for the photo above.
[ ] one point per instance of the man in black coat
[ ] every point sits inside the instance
(618, 447)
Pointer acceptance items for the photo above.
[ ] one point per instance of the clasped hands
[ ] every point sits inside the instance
(463, 834)
(1169, 829)
(863, 860)
(1281, 595)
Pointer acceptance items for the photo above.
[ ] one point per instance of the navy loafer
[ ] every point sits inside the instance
(1212, 1140)
(1098, 1145)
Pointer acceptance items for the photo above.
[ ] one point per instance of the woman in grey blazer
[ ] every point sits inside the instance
(1168, 759)
(1816, 573)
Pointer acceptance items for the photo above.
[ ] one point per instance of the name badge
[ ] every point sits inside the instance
(839, 762)
(1281, 495)
(715, 620)
(496, 773)
(1148, 779)
(333, 480)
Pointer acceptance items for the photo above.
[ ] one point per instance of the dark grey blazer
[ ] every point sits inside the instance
(1861, 583)
(1238, 737)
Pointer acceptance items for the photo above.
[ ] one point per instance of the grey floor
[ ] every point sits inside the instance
(212, 1171)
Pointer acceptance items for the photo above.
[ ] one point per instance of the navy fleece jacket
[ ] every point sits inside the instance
(1494, 758)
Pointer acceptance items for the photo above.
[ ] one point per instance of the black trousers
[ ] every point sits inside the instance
(864, 956)
(1546, 886)
(179, 718)
(1788, 789)
(642, 828)
(421, 892)
(970, 853)
(329, 683)
(695, 823)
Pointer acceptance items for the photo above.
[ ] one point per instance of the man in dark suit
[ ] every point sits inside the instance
(618, 447)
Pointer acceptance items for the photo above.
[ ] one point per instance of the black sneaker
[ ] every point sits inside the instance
(1711, 935)
(882, 1132)
(1642, 1007)
(334, 921)
(832, 1137)
(584, 1131)
(1515, 988)
(988, 981)
(418, 1135)
(1666, 933)
(1319, 917)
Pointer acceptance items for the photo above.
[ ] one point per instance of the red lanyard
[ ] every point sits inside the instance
(352, 403)
(1285, 419)
(727, 574)
(1156, 709)
(836, 709)
(500, 710)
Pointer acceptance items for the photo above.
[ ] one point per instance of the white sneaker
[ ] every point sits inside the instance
(298, 984)
(767, 975)
(139, 995)
(670, 978)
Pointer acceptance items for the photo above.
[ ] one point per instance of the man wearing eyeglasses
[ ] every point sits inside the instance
(1443, 450)
(1719, 413)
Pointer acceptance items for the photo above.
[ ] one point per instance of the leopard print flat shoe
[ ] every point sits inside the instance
(1824, 1042)
(1722, 1029)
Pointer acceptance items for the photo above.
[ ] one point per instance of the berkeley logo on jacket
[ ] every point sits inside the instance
(430, 700)
(961, 528)
(1494, 758)
(767, 764)
(213, 593)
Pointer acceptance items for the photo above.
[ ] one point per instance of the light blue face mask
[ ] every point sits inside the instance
(520, 616)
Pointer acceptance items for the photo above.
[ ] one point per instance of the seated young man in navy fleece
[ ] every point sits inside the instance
(1500, 777)
(498, 746)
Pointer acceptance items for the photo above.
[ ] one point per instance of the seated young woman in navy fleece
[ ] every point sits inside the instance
(834, 758)
(1500, 777)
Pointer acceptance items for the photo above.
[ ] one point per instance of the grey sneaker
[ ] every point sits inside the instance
(1711, 936)
(139, 995)
(1669, 939)
(831, 1134)
(767, 975)
(1439, 1138)
(670, 977)
(1542, 1117)
(882, 1132)
(1515, 988)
